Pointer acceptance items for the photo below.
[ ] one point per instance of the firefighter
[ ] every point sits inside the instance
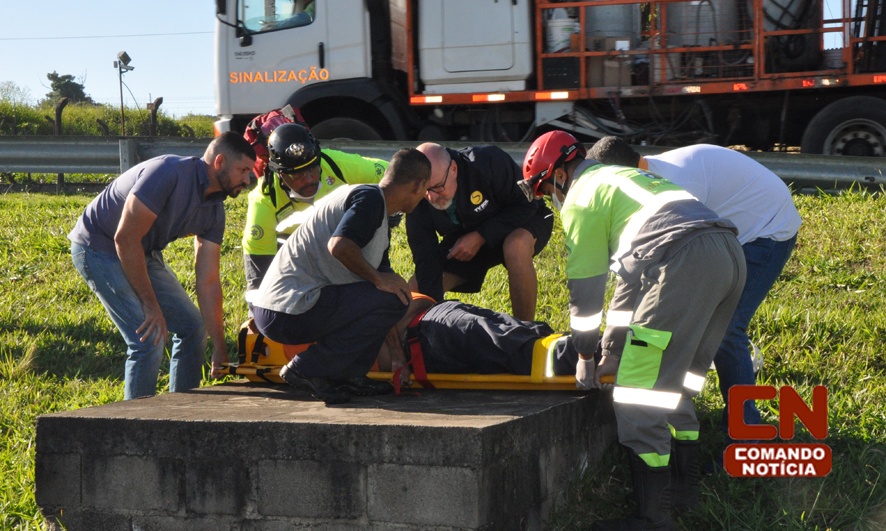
(680, 272)
(737, 187)
(298, 173)
(475, 205)
(260, 128)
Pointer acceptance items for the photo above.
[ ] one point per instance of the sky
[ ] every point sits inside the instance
(170, 43)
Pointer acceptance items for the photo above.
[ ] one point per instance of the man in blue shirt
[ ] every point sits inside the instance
(117, 247)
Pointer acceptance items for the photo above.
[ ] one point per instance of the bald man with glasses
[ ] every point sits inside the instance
(474, 218)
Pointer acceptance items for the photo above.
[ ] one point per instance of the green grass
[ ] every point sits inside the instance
(82, 119)
(823, 324)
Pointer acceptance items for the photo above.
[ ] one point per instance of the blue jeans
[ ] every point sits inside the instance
(765, 259)
(105, 277)
(347, 327)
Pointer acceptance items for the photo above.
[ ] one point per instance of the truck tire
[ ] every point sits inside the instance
(342, 128)
(854, 126)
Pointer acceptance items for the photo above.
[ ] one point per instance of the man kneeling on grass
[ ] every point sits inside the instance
(331, 284)
(451, 337)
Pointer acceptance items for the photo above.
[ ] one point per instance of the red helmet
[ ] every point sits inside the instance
(548, 152)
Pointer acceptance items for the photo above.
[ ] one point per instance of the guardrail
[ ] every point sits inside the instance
(71, 154)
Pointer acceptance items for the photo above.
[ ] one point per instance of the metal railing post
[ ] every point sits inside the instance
(128, 153)
(60, 179)
(154, 107)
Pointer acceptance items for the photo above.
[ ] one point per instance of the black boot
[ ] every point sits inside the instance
(684, 474)
(320, 388)
(362, 386)
(652, 491)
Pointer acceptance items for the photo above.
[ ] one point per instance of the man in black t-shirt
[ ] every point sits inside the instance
(475, 204)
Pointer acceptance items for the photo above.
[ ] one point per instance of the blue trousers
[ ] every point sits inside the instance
(347, 325)
(765, 259)
(105, 277)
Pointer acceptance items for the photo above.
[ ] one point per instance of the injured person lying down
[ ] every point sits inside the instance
(457, 338)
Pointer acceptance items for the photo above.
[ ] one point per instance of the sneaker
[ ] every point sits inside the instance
(319, 388)
(756, 358)
(363, 386)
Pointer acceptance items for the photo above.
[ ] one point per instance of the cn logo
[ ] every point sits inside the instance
(790, 405)
(780, 459)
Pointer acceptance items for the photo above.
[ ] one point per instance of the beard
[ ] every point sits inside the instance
(308, 191)
(234, 192)
(444, 204)
(224, 180)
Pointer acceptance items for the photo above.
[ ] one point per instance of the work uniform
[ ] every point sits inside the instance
(488, 201)
(680, 273)
(271, 202)
(459, 338)
(309, 296)
(744, 191)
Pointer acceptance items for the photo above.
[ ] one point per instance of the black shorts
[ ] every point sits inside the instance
(474, 271)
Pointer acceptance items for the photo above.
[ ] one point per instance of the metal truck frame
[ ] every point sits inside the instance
(667, 72)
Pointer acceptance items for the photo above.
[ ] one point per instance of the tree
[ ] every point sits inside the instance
(64, 86)
(12, 93)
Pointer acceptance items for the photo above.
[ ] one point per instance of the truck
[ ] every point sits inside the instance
(769, 75)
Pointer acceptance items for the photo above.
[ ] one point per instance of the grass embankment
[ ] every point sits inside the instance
(823, 324)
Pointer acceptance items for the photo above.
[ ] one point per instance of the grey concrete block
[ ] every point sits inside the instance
(58, 479)
(216, 487)
(311, 489)
(132, 483)
(295, 524)
(424, 496)
(258, 458)
(73, 519)
(172, 523)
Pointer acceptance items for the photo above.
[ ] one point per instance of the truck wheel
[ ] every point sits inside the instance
(341, 128)
(854, 126)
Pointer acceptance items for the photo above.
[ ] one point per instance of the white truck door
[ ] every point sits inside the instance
(472, 45)
(289, 50)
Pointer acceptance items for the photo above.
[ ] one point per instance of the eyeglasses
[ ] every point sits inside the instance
(299, 174)
(437, 188)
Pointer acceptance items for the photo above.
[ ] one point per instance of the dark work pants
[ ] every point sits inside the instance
(461, 338)
(347, 325)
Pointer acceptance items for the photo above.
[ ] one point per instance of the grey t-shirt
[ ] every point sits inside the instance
(304, 265)
(171, 187)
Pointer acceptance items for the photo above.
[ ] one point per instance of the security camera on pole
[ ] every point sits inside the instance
(122, 65)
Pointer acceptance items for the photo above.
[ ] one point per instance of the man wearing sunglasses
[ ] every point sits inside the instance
(475, 204)
(298, 173)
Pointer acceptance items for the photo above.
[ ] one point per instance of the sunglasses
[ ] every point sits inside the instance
(298, 174)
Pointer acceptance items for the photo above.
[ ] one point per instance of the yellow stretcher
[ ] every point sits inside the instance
(260, 360)
(517, 382)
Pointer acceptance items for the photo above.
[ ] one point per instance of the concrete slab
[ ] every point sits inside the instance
(253, 456)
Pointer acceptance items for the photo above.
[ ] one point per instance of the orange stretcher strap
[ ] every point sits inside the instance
(412, 345)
